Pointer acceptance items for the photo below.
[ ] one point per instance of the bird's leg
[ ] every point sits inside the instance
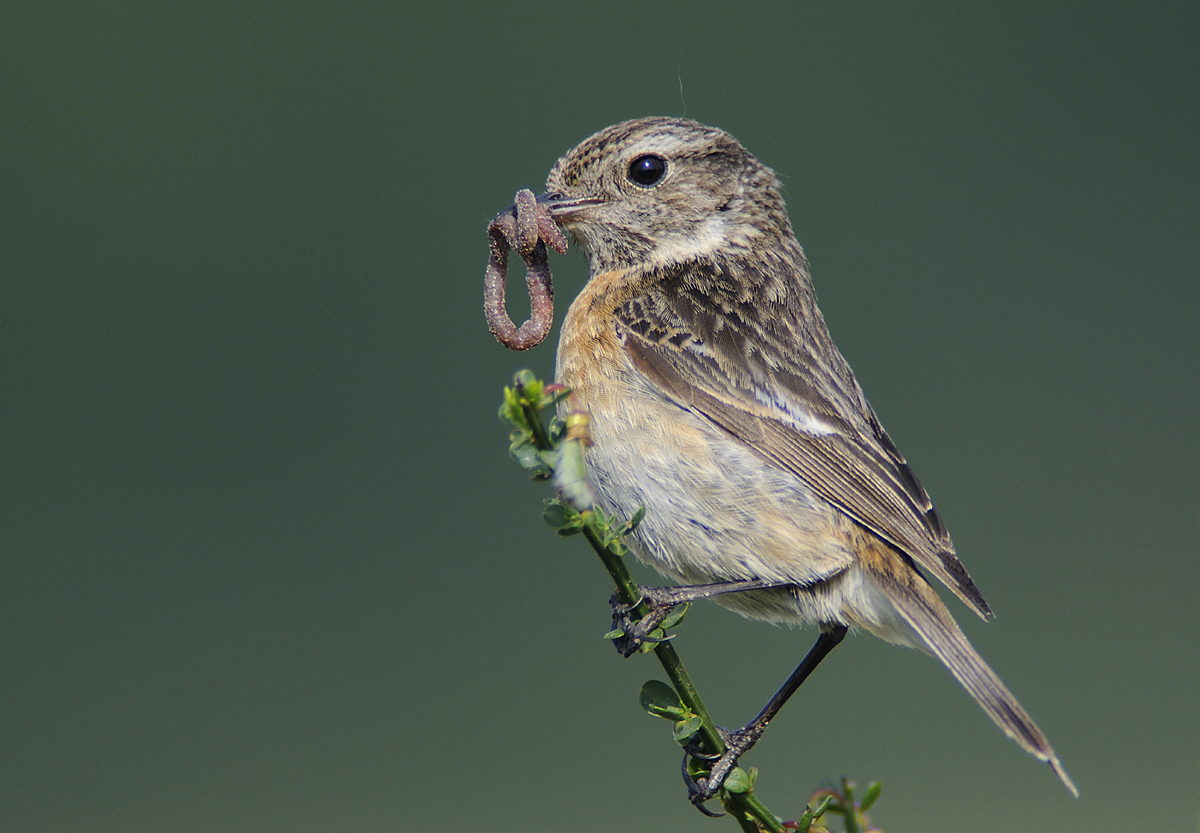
(738, 742)
(661, 601)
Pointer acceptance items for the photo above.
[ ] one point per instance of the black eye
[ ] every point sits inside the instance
(647, 170)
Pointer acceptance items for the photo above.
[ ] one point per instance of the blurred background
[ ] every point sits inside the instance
(264, 563)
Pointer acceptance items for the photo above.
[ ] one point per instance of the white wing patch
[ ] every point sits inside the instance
(802, 419)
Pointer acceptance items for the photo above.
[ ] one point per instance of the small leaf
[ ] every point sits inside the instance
(524, 380)
(660, 700)
(675, 616)
(738, 781)
(600, 522)
(872, 793)
(553, 394)
(510, 409)
(618, 549)
(526, 455)
(684, 729)
(614, 634)
(637, 518)
(811, 815)
(557, 514)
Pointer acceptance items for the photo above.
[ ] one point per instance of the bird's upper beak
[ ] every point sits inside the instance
(563, 207)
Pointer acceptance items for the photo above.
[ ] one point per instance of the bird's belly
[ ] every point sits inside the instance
(715, 511)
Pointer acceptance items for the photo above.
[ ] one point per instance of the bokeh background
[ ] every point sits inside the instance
(264, 563)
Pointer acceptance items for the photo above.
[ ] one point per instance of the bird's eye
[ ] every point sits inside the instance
(647, 170)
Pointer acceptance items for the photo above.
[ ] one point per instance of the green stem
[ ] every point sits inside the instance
(759, 811)
(752, 814)
(737, 807)
(682, 681)
(746, 808)
(849, 813)
(536, 427)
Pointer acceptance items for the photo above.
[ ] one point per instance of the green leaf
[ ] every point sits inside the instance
(526, 455)
(557, 514)
(870, 796)
(525, 381)
(811, 814)
(562, 518)
(660, 700)
(684, 729)
(551, 399)
(837, 807)
(510, 409)
(614, 634)
(637, 518)
(675, 616)
(738, 781)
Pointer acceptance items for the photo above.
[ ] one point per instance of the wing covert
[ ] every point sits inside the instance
(755, 358)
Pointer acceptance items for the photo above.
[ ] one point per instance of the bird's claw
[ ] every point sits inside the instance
(697, 788)
(705, 787)
(636, 632)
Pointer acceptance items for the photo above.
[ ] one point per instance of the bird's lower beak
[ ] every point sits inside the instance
(563, 207)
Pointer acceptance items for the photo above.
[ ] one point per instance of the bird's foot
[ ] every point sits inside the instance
(705, 773)
(661, 603)
(634, 633)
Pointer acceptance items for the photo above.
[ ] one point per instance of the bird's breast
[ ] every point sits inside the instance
(715, 511)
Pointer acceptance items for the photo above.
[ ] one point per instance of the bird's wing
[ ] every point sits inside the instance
(755, 358)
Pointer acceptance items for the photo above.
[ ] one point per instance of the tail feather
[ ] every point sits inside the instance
(923, 610)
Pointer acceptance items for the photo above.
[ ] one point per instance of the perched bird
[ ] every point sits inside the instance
(719, 403)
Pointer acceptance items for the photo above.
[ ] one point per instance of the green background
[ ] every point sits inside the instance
(264, 564)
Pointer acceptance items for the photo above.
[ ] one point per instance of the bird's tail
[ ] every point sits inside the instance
(923, 610)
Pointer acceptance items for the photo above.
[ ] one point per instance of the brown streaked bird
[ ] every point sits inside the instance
(718, 402)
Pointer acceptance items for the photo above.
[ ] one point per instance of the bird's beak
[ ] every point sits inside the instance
(563, 207)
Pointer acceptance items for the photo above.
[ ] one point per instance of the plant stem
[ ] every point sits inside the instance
(537, 428)
(747, 807)
(665, 651)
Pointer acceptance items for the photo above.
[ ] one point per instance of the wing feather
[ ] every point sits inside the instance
(751, 353)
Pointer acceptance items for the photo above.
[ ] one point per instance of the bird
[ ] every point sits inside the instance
(719, 405)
